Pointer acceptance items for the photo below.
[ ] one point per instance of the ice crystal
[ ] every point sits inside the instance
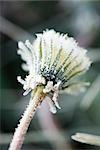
(52, 60)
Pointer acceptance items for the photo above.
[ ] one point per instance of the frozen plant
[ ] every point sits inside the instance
(52, 61)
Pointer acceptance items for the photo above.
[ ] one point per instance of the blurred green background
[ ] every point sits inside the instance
(20, 20)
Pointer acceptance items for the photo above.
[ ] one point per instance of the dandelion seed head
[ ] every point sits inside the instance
(52, 60)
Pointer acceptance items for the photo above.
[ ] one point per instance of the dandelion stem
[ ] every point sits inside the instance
(22, 128)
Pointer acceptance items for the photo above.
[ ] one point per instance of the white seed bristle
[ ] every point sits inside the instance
(52, 61)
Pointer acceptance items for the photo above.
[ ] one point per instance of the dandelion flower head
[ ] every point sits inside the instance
(52, 61)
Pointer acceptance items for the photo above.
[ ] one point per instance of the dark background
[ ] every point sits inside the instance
(20, 20)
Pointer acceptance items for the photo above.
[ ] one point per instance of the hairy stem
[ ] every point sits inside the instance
(22, 128)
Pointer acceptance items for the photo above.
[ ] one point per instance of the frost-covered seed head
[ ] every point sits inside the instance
(52, 60)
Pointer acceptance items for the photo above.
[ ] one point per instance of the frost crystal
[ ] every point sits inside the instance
(52, 60)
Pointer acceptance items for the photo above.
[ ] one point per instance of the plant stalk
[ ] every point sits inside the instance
(22, 128)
